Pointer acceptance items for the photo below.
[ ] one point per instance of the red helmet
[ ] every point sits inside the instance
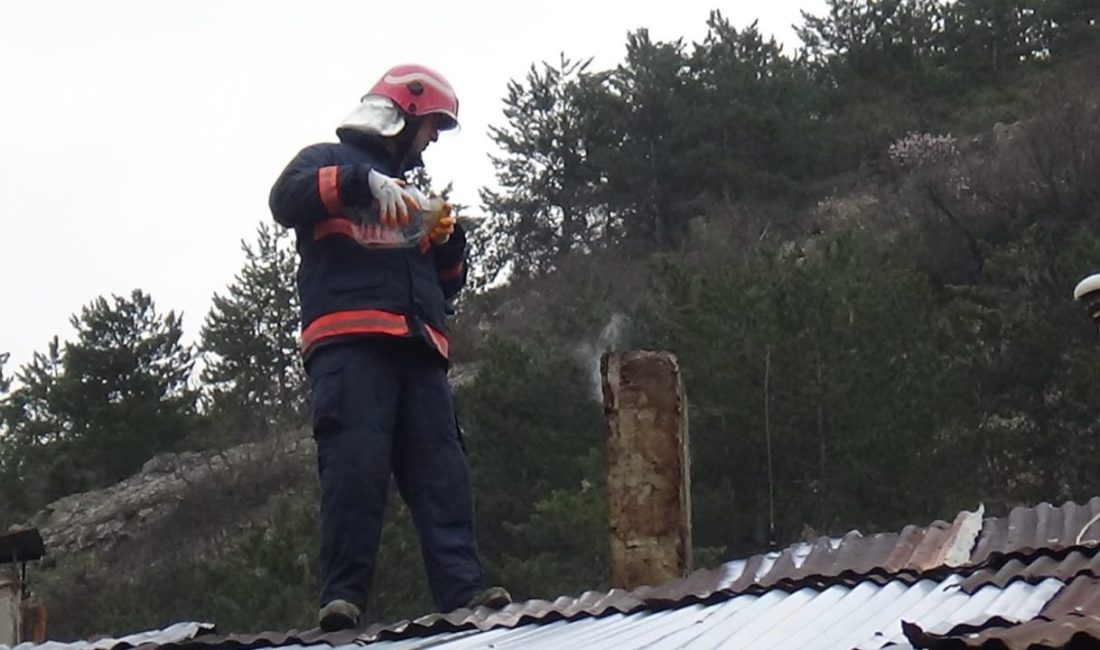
(418, 90)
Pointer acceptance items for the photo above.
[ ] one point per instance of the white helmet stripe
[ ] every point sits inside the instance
(398, 80)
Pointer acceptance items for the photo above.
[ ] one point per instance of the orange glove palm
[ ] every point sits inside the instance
(445, 227)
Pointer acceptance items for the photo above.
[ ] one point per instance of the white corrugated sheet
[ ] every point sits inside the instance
(172, 634)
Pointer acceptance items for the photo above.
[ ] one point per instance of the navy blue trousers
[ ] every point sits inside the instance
(383, 406)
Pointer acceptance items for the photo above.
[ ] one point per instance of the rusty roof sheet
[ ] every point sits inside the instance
(1043, 527)
(1082, 596)
(1064, 565)
(913, 552)
(968, 541)
(1036, 634)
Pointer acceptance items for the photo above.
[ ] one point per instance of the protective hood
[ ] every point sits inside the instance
(375, 115)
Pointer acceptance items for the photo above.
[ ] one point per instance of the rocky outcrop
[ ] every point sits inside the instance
(222, 491)
(101, 519)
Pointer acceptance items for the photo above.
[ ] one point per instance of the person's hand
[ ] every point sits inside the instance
(444, 228)
(394, 201)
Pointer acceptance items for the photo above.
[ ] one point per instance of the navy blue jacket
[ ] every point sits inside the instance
(346, 289)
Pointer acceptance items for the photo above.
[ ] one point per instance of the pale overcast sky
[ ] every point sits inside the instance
(139, 138)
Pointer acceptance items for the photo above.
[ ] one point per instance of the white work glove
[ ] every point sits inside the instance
(394, 201)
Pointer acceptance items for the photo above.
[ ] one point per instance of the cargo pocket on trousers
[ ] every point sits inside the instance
(326, 381)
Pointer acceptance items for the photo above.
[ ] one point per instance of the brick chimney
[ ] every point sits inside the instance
(648, 469)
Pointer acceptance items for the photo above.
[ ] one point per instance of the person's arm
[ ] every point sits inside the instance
(312, 188)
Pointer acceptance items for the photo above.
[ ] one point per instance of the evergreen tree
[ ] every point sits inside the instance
(753, 125)
(545, 208)
(253, 372)
(651, 176)
(35, 437)
(801, 367)
(124, 385)
(1034, 360)
(884, 69)
(533, 427)
(89, 414)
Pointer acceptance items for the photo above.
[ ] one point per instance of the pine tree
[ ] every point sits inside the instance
(819, 388)
(546, 207)
(91, 412)
(34, 436)
(124, 386)
(253, 373)
(536, 406)
(650, 172)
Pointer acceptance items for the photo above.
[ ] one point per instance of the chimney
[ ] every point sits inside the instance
(648, 470)
(19, 621)
(1088, 292)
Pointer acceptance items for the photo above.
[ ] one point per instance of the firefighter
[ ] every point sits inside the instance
(375, 347)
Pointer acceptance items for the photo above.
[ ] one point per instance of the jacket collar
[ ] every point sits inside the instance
(375, 145)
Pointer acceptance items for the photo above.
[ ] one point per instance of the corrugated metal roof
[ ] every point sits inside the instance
(1070, 619)
(866, 616)
(1082, 596)
(173, 634)
(1045, 527)
(912, 552)
(988, 565)
(1064, 565)
(1038, 634)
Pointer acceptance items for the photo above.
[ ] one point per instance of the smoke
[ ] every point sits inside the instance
(588, 353)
